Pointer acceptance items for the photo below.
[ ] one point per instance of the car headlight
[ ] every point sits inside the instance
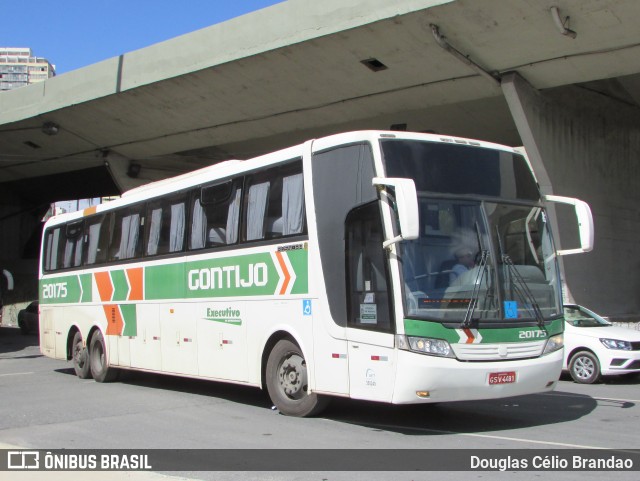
(425, 345)
(616, 344)
(554, 343)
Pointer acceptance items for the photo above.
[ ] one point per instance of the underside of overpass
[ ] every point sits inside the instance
(499, 71)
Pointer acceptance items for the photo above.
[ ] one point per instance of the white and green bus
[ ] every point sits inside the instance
(384, 266)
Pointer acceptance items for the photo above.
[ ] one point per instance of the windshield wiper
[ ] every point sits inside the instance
(528, 295)
(482, 268)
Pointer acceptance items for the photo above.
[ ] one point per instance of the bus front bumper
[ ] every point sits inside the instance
(428, 379)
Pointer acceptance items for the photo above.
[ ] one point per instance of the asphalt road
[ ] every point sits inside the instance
(44, 405)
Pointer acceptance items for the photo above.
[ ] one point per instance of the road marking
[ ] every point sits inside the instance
(590, 397)
(16, 374)
(489, 436)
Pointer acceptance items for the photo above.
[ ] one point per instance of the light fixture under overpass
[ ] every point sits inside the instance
(50, 128)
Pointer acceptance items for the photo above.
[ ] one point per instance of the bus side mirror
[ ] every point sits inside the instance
(406, 204)
(585, 223)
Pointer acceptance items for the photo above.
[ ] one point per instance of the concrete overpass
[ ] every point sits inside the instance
(508, 72)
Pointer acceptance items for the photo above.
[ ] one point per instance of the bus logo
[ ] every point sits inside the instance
(23, 460)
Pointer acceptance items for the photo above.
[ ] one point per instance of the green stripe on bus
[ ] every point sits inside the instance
(249, 275)
(60, 290)
(120, 285)
(164, 282)
(86, 281)
(130, 319)
(436, 330)
(300, 261)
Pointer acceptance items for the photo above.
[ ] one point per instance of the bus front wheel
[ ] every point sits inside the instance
(98, 363)
(287, 381)
(80, 357)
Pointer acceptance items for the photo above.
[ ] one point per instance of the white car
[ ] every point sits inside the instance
(594, 347)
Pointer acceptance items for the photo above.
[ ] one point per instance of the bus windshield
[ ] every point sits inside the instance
(485, 252)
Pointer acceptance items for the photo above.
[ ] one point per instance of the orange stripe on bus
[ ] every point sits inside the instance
(470, 336)
(105, 288)
(115, 324)
(285, 271)
(90, 210)
(135, 281)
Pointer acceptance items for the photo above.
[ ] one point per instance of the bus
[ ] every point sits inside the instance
(384, 266)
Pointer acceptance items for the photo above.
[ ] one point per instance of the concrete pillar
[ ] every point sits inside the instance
(587, 145)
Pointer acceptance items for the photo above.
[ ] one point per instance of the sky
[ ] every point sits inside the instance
(72, 34)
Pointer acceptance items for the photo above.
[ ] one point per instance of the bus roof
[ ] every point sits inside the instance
(234, 166)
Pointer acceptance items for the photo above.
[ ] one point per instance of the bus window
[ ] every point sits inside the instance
(275, 203)
(215, 215)
(97, 239)
(72, 256)
(165, 225)
(369, 303)
(126, 239)
(51, 250)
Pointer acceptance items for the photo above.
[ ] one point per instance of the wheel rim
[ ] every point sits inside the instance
(584, 367)
(292, 376)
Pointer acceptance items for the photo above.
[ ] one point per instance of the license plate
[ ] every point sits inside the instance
(502, 377)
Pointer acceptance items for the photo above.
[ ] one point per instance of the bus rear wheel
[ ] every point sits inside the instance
(80, 357)
(98, 363)
(287, 382)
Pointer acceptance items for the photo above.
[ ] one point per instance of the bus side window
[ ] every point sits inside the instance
(215, 215)
(51, 249)
(125, 241)
(72, 253)
(96, 244)
(369, 301)
(275, 203)
(166, 225)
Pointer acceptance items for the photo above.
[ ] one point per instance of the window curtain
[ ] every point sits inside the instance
(198, 226)
(176, 235)
(48, 263)
(292, 204)
(77, 260)
(129, 236)
(94, 237)
(154, 231)
(257, 207)
(68, 253)
(233, 217)
(54, 251)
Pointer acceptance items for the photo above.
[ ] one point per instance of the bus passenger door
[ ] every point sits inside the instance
(370, 328)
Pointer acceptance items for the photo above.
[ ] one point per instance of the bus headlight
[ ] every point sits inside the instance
(554, 343)
(425, 345)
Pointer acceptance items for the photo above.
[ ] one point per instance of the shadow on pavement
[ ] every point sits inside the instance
(13, 341)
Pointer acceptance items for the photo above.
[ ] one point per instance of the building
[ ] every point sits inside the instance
(19, 67)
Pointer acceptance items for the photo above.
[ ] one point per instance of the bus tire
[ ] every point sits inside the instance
(80, 357)
(287, 381)
(584, 368)
(98, 362)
